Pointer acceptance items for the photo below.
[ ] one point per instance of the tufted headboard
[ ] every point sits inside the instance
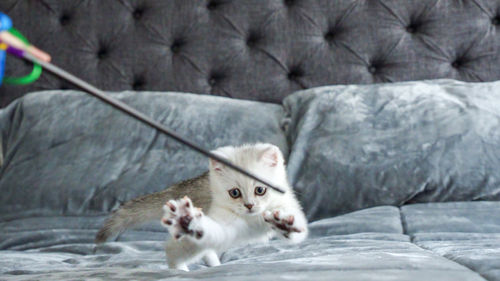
(256, 49)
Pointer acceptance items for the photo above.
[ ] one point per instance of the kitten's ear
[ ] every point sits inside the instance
(272, 156)
(214, 164)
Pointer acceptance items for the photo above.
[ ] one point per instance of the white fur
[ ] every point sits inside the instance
(228, 223)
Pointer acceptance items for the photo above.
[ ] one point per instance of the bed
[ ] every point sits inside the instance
(387, 113)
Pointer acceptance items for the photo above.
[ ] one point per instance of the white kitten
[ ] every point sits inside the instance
(242, 211)
(238, 209)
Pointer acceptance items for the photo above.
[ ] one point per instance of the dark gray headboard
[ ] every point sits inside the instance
(257, 49)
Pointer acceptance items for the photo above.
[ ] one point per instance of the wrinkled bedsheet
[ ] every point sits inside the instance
(434, 241)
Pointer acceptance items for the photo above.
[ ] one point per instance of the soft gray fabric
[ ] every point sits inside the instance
(364, 245)
(69, 159)
(256, 49)
(465, 232)
(383, 219)
(259, 50)
(367, 145)
(67, 153)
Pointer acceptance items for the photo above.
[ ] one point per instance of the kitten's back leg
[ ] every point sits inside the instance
(182, 252)
(211, 258)
(182, 266)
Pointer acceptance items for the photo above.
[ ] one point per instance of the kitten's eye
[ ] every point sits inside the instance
(259, 190)
(235, 193)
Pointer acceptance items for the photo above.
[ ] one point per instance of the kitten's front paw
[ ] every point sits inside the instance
(181, 218)
(283, 223)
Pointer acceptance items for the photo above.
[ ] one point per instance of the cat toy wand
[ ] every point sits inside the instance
(23, 51)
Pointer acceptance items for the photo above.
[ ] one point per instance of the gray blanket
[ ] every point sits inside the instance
(68, 160)
(462, 242)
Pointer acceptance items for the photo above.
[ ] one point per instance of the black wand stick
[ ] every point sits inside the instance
(140, 116)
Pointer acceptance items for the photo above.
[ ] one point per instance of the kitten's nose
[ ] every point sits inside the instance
(249, 206)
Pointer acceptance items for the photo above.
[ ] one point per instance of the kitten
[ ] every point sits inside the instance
(239, 210)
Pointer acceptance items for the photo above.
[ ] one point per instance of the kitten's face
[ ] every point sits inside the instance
(239, 193)
(248, 199)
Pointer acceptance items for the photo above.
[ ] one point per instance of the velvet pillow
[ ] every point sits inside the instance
(65, 152)
(390, 144)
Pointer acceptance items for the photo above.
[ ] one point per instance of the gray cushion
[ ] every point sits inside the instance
(65, 152)
(465, 232)
(255, 49)
(361, 146)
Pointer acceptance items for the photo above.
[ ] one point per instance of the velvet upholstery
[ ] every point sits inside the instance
(254, 49)
(380, 243)
(395, 144)
(67, 160)
(65, 152)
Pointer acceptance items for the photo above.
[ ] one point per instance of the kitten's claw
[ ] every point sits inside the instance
(181, 218)
(172, 205)
(282, 223)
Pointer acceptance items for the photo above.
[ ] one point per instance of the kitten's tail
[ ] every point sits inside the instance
(136, 211)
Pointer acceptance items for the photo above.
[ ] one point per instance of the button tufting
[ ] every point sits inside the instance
(456, 64)
(215, 78)
(102, 53)
(212, 81)
(138, 84)
(330, 35)
(411, 28)
(496, 20)
(176, 45)
(64, 20)
(138, 13)
(253, 38)
(372, 69)
(212, 5)
(295, 73)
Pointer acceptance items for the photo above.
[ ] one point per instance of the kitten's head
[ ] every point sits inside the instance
(240, 193)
